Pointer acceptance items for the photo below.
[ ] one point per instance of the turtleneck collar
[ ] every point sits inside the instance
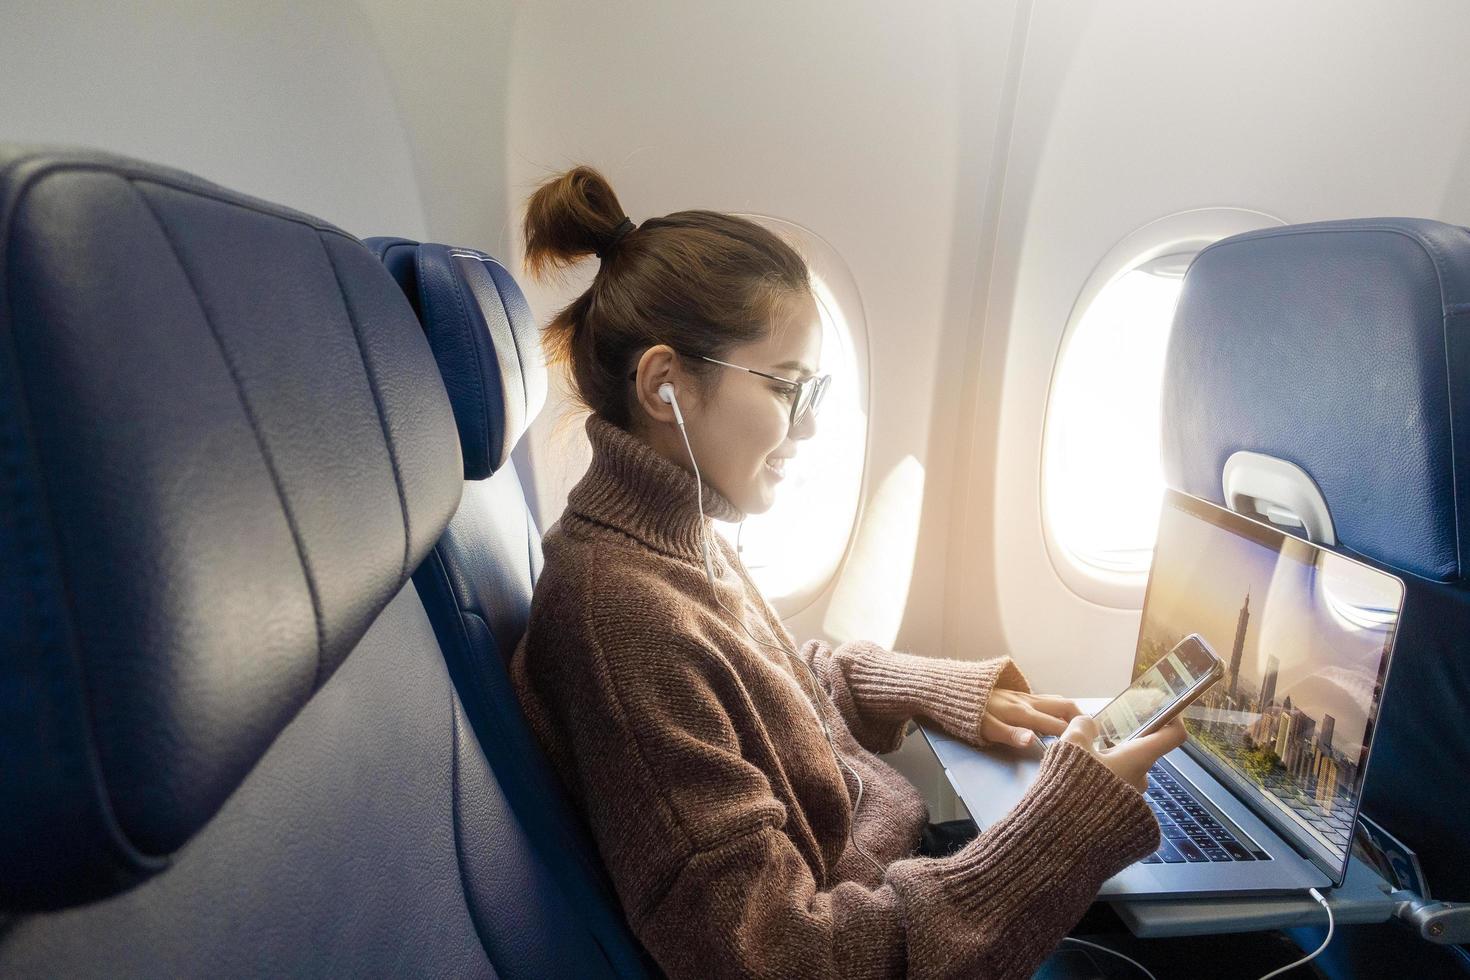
(631, 488)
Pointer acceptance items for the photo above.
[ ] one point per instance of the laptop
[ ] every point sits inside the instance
(1264, 796)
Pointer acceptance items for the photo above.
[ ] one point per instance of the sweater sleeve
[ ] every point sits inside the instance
(719, 879)
(879, 691)
(748, 906)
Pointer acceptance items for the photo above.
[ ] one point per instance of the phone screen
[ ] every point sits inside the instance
(1155, 691)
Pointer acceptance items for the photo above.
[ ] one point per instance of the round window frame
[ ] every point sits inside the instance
(1182, 232)
(827, 264)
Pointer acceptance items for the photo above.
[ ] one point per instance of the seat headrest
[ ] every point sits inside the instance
(485, 340)
(1340, 347)
(224, 447)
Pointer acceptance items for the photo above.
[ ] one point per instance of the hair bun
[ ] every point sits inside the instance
(711, 280)
(570, 216)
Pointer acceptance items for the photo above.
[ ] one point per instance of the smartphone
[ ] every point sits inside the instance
(1157, 695)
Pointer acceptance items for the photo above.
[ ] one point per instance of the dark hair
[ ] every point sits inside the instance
(700, 281)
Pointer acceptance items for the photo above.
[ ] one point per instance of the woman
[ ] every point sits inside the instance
(729, 779)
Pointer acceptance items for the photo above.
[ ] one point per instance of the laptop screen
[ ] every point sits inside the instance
(1305, 635)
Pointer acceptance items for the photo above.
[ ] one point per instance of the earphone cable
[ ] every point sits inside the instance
(784, 648)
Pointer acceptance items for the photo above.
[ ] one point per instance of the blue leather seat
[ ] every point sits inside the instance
(476, 582)
(1342, 347)
(228, 740)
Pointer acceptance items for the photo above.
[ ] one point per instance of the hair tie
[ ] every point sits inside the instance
(615, 236)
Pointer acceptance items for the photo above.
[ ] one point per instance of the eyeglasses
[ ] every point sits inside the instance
(806, 395)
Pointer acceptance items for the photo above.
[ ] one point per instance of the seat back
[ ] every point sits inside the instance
(229, 740)
(476, 583)
(1343, 349)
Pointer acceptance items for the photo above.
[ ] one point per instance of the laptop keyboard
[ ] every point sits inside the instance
(1191, 833)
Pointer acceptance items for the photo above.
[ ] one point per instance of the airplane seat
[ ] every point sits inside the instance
(476, 583)
(1329, 363)
(229, 742)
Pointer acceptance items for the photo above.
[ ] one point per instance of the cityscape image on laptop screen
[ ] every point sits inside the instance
(1305, 636)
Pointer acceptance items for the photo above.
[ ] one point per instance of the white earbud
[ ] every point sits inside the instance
(666, 392)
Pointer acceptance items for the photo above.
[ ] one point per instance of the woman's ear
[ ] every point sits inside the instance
(659, 365)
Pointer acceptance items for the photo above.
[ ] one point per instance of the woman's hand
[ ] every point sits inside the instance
(1130, 760)
(1012, 717)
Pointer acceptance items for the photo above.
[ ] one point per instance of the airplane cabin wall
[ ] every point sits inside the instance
(289, 102)
(970, 162)
(384, 118)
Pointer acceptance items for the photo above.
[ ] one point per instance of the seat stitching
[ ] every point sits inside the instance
(522, 357)
(49, 631)
(180, 181)
(454, 821)
(519, 363)
(372, 380)
(479, 367)
(505, 730)
(265, 455)
(438, 567)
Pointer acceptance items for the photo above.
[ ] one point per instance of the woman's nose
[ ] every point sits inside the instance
(805, 427)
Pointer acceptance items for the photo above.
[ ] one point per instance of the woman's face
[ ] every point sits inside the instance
(740, 429)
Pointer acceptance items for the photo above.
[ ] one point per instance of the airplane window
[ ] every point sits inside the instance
(1103, 480)
(1101, 475)
(794, 549)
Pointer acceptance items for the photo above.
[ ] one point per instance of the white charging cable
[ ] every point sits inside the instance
(1082, 942)
(1316, 952)
(1274, 973)
(709, 572)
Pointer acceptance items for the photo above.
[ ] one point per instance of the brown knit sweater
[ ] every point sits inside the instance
(699, 764)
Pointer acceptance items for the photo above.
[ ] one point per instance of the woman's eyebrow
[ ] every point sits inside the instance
(797, 366)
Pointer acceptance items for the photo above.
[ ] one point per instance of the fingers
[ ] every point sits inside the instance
(1021, 737)
(1166, 739)
(1081, 731)
(1140, 753)
(1020, 724)
(1129, 761)
(1046, 724)
(1012, 716)
(1064, 708)
(998, 732)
